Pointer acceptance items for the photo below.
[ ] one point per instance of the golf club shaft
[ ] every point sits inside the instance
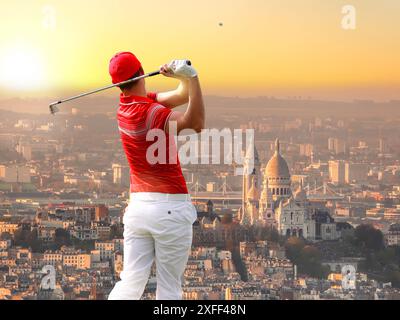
(152, 74)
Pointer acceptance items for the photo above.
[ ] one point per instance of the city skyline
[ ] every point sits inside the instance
(322, 198)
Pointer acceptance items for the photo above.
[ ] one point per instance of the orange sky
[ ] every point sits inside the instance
(265, 47)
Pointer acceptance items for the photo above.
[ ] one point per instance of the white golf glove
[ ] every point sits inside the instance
(182, 68)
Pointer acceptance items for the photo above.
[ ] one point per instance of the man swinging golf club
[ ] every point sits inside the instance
(158, 220)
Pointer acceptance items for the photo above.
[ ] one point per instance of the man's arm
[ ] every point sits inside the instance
(175, 98)
(194, 117)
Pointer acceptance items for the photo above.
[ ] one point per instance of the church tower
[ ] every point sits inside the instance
(250, 214)
(278, 175)
(251, 169)
(266, 206)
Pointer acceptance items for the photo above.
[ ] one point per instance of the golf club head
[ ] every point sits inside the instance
(53, 108)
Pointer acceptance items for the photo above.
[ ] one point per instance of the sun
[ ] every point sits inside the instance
(21, 68)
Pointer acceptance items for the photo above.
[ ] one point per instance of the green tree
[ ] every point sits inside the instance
(23, 237)
(306, 257)
(62, 238)
(393, 276)
(368, 237)
(116, 231)
(28, 239)
(311, 262)
(293, 248)
(239, 264)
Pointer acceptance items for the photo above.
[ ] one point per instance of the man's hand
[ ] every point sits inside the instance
(167, 71)
(179, 69)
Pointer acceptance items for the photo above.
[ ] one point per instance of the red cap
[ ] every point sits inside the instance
(123, 66)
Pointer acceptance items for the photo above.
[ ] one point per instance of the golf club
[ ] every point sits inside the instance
(53, 106)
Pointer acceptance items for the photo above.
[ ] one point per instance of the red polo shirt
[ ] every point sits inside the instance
(136, 116)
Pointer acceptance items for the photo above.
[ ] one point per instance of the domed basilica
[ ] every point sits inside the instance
(275, 204)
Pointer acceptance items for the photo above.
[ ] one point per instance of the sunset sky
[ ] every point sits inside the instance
(264, 48)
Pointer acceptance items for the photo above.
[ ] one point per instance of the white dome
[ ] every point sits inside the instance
(277, 166)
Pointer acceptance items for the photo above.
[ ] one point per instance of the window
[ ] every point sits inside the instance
(328, 230)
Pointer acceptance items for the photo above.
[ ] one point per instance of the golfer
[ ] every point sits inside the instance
(158, 220)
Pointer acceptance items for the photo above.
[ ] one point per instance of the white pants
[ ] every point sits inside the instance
(157, 227)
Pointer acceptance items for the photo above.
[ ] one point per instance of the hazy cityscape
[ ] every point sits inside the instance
(317, 219)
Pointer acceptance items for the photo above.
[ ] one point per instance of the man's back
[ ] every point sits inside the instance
(136, 117)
